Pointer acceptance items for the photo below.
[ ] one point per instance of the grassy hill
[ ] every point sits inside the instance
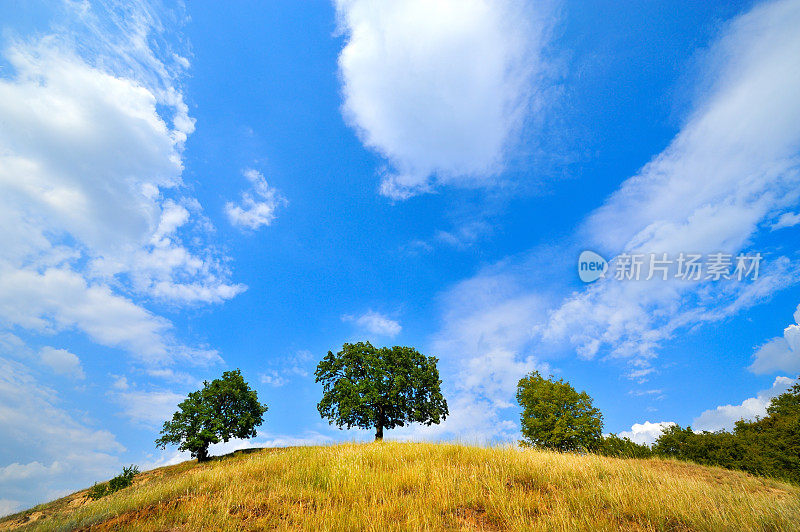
(409, 486)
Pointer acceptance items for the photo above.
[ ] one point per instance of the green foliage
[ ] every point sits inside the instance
(117, 483)
(98, 490)
(124, 480)
(224, 408)
(555, 416)
(366, 387)
(769, 446)
(613, 445)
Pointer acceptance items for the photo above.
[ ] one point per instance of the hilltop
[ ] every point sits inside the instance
(408, 486)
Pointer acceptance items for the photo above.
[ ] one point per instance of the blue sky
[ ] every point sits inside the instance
(189, 190)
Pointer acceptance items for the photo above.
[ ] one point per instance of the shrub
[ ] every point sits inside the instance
(98, 490)
(613, 445)
(768, 446)
(117, 483)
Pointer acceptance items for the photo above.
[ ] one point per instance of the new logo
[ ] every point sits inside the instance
(591, 266)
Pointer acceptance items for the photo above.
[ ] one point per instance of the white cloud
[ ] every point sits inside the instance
(8, 507)
(253, 213)
(120, 382)
(273, 378)
(440, 89)
(89, 155)
(262, 440)
(732, 166)
(94, 219)
(724, 417)
(375, 323)
(645, 433)
(787, 219)
(780, 354)
(465, 234)
(62, 362)
(15, 472)
(60, 299)
(287, 368)
(46, 450)
(149, 408)
(114, 207)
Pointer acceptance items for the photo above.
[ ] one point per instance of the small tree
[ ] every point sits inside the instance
(382, 388)
(223, 409)
(555, 416)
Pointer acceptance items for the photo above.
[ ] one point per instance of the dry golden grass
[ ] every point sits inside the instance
(408, 486)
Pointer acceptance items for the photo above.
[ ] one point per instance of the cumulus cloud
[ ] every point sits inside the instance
(62, 362)
(724, 417)
(95, 220)
(645, 433)
(114, 207)
(375, 323)
(440, 89)
(92, 211)
(780, 354)
(257, 207)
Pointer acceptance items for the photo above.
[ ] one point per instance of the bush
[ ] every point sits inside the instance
(613, 445)
(98, 490)
(124, 480)
(768, 446)
(117, 483)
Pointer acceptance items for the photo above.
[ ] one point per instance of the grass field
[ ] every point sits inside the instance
(410, 486)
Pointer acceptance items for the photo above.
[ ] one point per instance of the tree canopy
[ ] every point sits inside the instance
(224, 408)
(384, 388)
(555, 416)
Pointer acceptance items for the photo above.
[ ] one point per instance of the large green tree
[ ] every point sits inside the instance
(224, 408)
(555, 416)
(384, 388)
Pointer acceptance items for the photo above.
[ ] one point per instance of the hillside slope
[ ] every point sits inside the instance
(405, 486)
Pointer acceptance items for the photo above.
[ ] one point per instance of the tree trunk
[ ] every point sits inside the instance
(202, 454)
(379, 425)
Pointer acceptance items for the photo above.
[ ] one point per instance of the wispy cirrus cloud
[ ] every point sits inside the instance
(728, 173)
